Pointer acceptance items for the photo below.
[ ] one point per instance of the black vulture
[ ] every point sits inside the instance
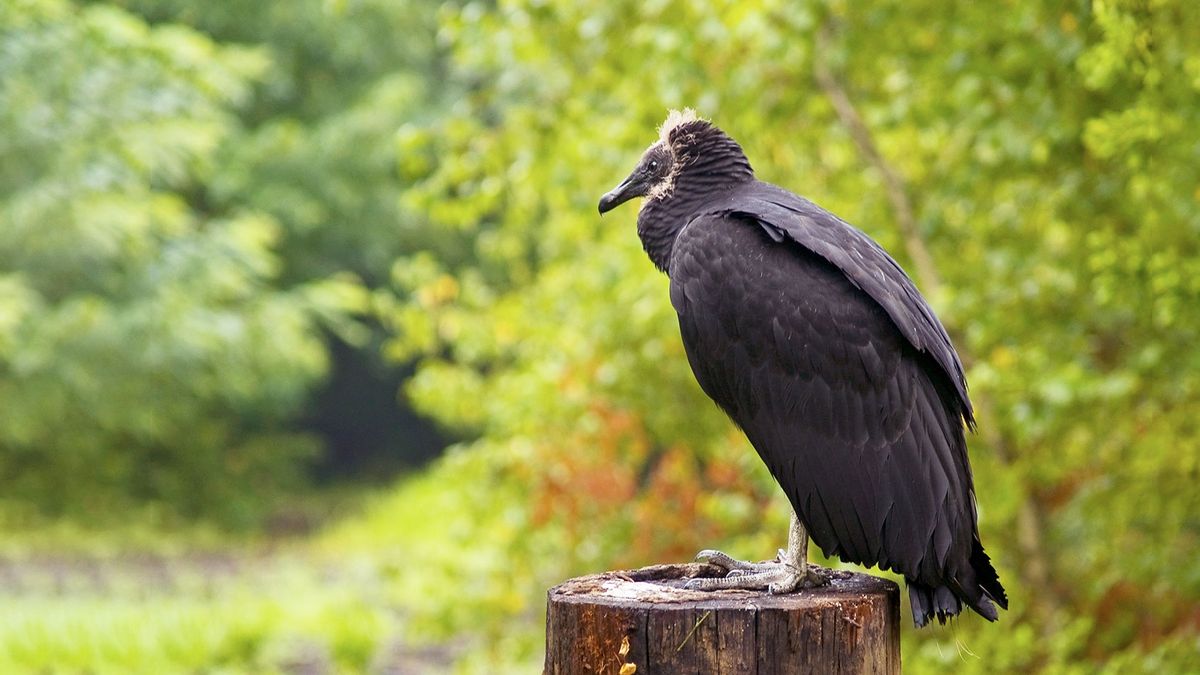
(820, 348)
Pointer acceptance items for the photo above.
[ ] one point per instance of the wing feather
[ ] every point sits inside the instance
(788, 216)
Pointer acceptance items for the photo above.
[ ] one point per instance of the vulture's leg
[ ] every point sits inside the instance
(789, 571)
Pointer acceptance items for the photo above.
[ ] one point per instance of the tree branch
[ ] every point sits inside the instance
(926, 271)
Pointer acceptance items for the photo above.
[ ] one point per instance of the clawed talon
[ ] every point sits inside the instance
(776, 576)
(723, 560)
(788, 572)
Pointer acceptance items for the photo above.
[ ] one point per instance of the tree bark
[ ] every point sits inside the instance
(643, 622)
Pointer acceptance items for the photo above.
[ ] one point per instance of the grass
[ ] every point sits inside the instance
(245, 612)
(365, 593)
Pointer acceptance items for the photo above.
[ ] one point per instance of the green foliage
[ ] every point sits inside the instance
(194, 199)
(1051, 154)
(144, 354)
(341, 80)
(315, 153)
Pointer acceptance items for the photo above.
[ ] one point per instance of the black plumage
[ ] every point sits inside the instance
(817, 344)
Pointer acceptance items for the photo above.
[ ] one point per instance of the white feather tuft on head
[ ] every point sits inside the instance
(674, 119)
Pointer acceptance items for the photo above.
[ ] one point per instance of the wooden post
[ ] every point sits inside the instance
(643, 622)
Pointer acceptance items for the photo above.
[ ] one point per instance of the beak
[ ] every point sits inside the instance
(619, 195)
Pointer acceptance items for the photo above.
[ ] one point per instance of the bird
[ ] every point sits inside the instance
(818, 345)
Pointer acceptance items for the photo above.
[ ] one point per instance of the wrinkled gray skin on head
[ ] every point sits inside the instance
(692, 163)
(654, 176)
(651, 177)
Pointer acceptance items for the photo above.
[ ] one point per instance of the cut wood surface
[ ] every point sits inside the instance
(643, 622)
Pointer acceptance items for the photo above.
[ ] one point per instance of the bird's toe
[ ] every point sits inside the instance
(723, 560)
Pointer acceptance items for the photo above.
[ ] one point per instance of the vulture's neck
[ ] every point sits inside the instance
(699, 182)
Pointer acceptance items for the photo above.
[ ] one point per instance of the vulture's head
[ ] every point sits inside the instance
(691, 156)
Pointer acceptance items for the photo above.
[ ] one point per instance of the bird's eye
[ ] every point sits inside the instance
(654, 165)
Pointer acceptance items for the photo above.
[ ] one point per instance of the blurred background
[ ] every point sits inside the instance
(315, 356)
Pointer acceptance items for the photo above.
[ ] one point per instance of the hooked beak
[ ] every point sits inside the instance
(628, 189)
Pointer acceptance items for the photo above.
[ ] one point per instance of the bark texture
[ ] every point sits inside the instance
(643, 622)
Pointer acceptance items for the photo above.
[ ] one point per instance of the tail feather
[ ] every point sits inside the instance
(985, 575)
(928, 602)
(978, 588)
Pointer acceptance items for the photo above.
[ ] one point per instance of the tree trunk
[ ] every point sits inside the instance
(643, 622)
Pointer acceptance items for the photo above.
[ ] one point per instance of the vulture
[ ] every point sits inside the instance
(820, 348)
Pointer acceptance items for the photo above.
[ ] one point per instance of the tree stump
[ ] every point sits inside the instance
(643, 622)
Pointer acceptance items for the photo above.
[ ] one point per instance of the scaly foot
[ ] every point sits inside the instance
(777, 576)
